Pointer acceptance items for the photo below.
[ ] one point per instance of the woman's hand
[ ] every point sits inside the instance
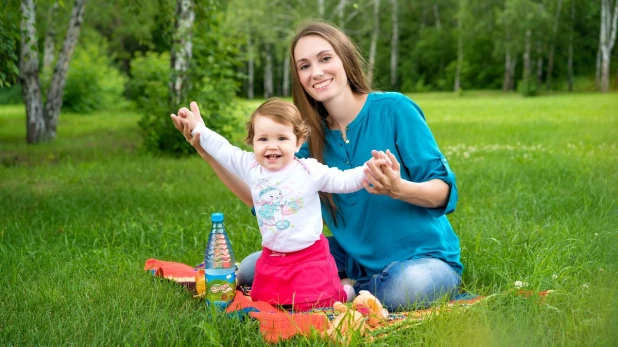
(383, 179)
(386, 180)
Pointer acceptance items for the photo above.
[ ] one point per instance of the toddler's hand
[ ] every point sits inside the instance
(381, 159)
(192, 116)
(383, 175)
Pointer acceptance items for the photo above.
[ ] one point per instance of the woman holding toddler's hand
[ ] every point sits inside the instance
(392, 238)
(295, 266)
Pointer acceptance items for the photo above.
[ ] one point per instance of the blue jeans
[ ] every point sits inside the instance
(402, 285)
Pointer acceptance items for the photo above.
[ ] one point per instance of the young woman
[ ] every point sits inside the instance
(393, 238)
(296, 267)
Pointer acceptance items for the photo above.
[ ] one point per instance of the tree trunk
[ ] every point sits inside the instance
(251, 68)
(507, 81)
(374, 40)
(607, 40)
(182, 49)
(56, 89)
(457, 84)
(394, 44)
(597, 75)
(605, 64)
(526, 57)
(423, 17)
(42, 122)
(29, 75)
(341, 12)
(286, 74)
(539, 62)
(268, 72)
(436, 15)
(570, 59)
(509, 65)
(512, 73)
(49, 51)
(552, 45)
(321, 8)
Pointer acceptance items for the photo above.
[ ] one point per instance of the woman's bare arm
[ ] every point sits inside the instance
(387, 180)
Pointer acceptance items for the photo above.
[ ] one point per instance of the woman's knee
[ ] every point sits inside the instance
(418, 283)
(246, 270)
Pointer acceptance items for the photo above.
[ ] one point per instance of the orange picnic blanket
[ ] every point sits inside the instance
(277, 324)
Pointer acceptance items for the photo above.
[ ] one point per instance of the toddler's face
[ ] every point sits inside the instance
(274, 144)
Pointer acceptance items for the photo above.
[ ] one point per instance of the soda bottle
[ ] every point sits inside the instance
(219, 266)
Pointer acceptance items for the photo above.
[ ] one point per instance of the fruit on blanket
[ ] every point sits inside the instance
(366, 312)
(345, 324)
(200, 282)
(370, 307)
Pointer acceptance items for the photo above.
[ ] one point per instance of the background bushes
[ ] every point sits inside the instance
(93, 83)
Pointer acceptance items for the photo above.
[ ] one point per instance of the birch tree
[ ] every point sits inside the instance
(521, 19)
(394, 43)
(341, 13)
(526, 58)
(539, 45)
(374, 40)
(570, 50)
(510, 48)
(321, 8)
(268, 71)
(552, 44)
(460, 33)
(42, 121)
(250, 66)
(49, 50)
(182, 48)
(609, 19)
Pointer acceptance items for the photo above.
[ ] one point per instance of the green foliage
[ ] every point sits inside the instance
(215, 69)
(9, 42)
(149, 79)
(132, 26)
(11, 95)
(537, 204)
(528, 88)
(148, 87)
(212, 80)
(93, 83)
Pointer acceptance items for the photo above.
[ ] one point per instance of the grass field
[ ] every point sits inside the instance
(538, 185)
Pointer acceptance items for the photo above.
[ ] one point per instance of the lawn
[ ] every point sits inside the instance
(538, 186)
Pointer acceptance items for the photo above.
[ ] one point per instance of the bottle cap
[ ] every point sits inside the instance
(217, 217)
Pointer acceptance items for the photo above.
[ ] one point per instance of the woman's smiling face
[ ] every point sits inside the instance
(320, 70)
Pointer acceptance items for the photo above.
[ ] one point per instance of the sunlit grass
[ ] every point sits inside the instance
(538, 206)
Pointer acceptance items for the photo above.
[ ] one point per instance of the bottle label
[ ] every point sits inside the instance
(220, 289)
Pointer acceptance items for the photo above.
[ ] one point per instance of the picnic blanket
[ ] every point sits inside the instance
(277, 324)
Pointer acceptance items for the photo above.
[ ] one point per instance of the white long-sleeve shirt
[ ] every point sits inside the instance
(286, 201)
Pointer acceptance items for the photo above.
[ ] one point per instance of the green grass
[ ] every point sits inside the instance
(537, 180)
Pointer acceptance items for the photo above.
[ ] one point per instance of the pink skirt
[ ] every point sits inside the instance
(304, 279)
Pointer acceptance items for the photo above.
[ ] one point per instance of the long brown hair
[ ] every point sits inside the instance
(314, 111)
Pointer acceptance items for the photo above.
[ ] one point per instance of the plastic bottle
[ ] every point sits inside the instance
(219, 266)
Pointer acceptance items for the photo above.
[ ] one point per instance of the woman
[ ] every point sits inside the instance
(392, 239)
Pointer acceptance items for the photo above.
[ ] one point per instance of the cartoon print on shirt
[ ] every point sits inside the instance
(271, 208)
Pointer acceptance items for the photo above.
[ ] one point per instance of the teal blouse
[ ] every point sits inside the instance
(376, 230)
